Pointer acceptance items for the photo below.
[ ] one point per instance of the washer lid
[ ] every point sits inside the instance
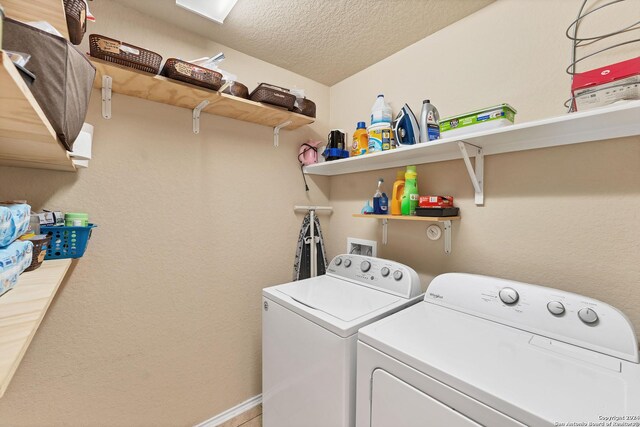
(338, 305)
(338, 298)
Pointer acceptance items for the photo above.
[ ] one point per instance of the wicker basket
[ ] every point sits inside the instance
(189, 73)
(237, 89)
(305, 106)
(39, 251)
(112, 50)
(76, 13)
(274, 95)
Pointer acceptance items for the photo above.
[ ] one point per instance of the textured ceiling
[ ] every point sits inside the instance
(325, 40)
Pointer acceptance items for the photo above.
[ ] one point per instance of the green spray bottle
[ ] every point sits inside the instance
(410, 195)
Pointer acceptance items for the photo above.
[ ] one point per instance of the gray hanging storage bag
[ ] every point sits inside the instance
(64, 77)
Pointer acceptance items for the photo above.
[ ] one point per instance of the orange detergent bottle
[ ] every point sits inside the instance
(398, 191)
(360, 140)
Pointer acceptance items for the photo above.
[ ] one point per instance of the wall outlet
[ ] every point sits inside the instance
(362, 247)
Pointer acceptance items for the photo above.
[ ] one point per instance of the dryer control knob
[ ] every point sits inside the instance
(338, 261)
(397, 275)
(509, 296)
(347, 263)
(385, 271)
(365, 266)
(588, 316)
(556, 308)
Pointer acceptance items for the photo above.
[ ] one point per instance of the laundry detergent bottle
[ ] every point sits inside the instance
(410, 194)
(360, 143)
(381, 111)
(398, 191)
(380, 200)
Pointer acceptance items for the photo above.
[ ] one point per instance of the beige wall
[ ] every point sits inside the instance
(565, 217)
(159, 323)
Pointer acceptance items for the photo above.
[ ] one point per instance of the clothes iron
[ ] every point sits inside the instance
(406, 128)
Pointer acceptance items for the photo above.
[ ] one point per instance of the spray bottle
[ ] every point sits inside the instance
(429, 122)
(396, 196)
(380, 200)
(410, 195)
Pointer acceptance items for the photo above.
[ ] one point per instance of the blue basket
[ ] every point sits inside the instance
(67, 242)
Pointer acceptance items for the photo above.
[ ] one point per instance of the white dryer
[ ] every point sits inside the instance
(309, 336)
(487, 351)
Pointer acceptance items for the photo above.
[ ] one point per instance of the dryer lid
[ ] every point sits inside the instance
(338, 298)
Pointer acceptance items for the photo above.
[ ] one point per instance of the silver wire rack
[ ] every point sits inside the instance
(579, 42)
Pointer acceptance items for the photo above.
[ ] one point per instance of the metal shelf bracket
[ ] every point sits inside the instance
(447, 237)
(106, 97)
(196, 116)
(385, 224)
(477, 176)
(276, 132)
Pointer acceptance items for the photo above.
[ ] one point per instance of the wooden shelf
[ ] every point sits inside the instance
(21, 311)
(26, 136)
(128, 81)
(611, 122)
(409, 218)
(51, 11)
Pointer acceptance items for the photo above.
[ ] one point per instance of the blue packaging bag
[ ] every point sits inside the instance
(14, 259)
(14, 222)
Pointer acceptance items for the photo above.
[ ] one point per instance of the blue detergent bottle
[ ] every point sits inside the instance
(380, 200)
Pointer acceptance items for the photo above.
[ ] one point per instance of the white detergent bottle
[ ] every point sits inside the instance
(429, 122)
(381, 111)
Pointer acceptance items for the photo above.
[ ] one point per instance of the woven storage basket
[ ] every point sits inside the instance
(39, 252)
(274, 95)
(112, 50)
(237, 89)
(76, 14)
(305, 106)
(189, 73)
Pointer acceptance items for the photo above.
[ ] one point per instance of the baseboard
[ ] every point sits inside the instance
(232, 412)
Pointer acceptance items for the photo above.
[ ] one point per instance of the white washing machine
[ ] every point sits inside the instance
(487, 351)
(309, 336)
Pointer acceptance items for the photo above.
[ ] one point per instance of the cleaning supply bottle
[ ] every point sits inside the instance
(360, 140)
(396, 196)
(429, 122)
(381, 111)
(410, 194)
(380, 200)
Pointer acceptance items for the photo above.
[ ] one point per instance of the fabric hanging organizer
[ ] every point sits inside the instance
(311, 258)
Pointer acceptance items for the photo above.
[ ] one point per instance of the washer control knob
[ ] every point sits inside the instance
(397, 275)
(588, 316)
(365, 266)
(556, 308)
(338, 261)
(385, 271)
(347, 263)
(509, 296)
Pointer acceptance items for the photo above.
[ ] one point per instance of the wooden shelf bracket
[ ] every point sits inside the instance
(196, 115)
(106, 97)
(276, 132)
(477, 175)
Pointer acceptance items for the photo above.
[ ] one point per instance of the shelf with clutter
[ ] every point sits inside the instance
(152, 87)
(605, 123)
(51, 11)
(36, 250)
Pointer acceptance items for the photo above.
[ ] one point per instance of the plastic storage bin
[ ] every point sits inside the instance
(67, 242)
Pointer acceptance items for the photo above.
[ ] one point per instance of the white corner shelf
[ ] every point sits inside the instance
(616, 121)
(21, 311)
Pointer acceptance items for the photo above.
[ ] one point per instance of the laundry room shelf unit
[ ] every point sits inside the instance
(26, 136)
(127, 81)
(21, 311)
(51, 11)
(445, 220)
(616, 121)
